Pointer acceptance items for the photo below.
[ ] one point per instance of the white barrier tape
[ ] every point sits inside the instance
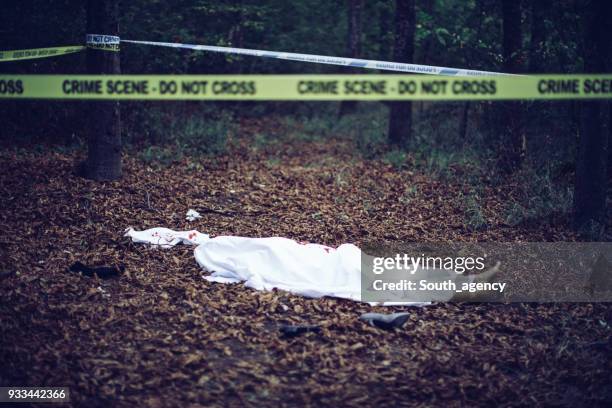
(322, 59)
(103, 42)
(102, 39)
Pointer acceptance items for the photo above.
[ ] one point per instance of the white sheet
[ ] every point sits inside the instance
(306, 269)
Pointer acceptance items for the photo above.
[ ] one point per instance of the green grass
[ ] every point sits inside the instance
(169, 137)
(396, 158)
(539, 197)
(474, 218)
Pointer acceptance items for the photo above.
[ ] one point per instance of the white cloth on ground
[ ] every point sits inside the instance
(165, 237)
(306, 269)
(192, 215)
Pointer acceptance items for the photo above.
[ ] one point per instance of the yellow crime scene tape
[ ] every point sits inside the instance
(16, 55)
(304, 87)
(441, 83)
(97, 41)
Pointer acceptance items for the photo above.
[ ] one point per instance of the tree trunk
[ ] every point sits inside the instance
(539, 10)
(423, 53)
(425, 56)
(104, 137)
(591, 168)
(511, 10)
(513, 141)
(470, 55)
(355, 12)
(400, 120)
(463, 124)
(385, 31)
(538, 136)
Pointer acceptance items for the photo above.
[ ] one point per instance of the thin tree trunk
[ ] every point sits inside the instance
(384, 32)
(470, 55)
(104, 133)
(539, 10)
(513, 142)
(537, 136)
(400, 119)
(355, 12)
(511, 10)
(463, 125)
(425, 57)
(591, 168)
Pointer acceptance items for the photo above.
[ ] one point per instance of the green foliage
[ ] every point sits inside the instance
(204, 136)
(308, 129)
(408, 196)
(396, 158)
(474, 218)
(538, 198)
(171, 136)
(367, 127)
(261, 141)
(161, 156)
(438, 162)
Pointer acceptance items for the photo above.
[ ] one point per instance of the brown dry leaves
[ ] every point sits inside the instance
(162, 336)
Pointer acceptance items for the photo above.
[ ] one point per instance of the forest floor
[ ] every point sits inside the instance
(160, 335)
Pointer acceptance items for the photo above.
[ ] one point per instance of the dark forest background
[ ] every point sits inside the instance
(539, 141)
(158, 334)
